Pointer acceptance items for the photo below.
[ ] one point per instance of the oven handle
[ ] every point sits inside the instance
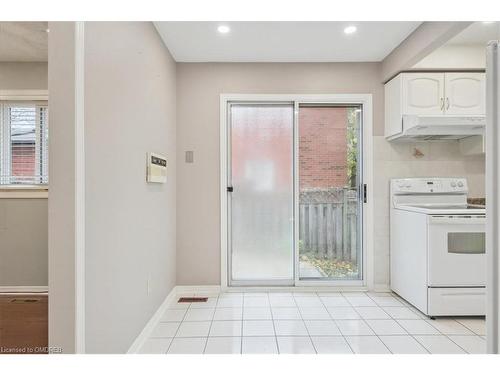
(457, 220)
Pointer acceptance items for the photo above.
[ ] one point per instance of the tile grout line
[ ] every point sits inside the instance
(274, 327)
(241, 331)
(424, 320)
(336, 325)
(177, 330)
(457, 344)
(411, 334)
(363, 319)
(304, 323)
(404, 329)
(410, 307)
(467, 327)
(211, 322)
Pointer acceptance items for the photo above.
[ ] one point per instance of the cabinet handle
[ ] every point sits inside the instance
(442, 103)
(447, 103)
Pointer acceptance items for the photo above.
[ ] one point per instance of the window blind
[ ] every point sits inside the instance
(24, 143)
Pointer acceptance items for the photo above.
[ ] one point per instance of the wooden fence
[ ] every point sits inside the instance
(328, 223)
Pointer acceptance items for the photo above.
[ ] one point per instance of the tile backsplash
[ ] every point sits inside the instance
(414, 159)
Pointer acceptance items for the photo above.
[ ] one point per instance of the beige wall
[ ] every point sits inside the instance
(23, 222)
(455, 56)
(62, 186)
(130, 227)
(23, 244)
(421, 42)
(198, 90)
(23, 76)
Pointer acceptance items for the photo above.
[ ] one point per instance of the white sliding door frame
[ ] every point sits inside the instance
(365, 101)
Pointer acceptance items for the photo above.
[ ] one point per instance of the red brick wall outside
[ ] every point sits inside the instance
(322, 147)
(23, 160)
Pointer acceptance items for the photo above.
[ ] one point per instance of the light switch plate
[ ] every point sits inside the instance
(156, 168)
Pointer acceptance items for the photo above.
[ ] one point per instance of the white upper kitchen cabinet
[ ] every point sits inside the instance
(423, 93)
(433, 94)
(465, 93)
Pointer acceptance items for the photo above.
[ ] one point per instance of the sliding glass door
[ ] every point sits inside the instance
(295, 193)
(261, 194)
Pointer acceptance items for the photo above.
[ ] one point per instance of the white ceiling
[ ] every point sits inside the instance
(282, 41)
(23, 41)
(477, 33)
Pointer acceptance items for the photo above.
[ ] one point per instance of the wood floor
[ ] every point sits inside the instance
(23, 323)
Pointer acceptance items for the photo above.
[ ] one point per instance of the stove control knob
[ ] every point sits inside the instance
(453, 184)
(460, 184)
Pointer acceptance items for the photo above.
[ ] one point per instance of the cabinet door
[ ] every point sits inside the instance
(465, 93)
(423, 93)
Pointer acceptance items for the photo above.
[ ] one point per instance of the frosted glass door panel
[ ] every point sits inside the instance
(261, 174)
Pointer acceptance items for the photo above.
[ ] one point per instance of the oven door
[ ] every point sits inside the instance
(456, 251)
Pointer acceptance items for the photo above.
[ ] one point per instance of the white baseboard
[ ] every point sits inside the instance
(192, 290)
(381, 288)
(24, 289)
(151, 324)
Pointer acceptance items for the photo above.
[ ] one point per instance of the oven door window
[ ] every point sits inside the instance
(466, 243)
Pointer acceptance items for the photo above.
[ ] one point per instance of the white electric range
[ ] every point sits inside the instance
(438, 260)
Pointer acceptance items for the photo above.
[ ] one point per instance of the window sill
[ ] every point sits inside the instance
(24, 192)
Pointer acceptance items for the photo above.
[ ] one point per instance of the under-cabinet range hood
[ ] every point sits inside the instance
(439, 127)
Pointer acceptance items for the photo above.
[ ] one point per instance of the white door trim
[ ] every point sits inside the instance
(79, 188)
(366, 101)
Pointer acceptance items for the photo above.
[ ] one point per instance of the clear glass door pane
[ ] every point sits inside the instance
(261, 173)
(329, 180)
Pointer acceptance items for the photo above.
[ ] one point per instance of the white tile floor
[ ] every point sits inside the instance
(323, 323)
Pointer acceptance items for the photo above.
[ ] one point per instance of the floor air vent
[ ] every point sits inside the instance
(192, 299)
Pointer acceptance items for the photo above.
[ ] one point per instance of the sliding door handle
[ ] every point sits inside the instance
(230, 189)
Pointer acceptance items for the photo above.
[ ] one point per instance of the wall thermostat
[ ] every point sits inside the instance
(156, 168)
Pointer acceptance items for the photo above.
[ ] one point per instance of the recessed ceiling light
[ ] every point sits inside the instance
(488, 22)
(47, 30)
(223, 29)
(350, 29)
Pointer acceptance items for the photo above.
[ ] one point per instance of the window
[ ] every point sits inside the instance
(23, 143)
